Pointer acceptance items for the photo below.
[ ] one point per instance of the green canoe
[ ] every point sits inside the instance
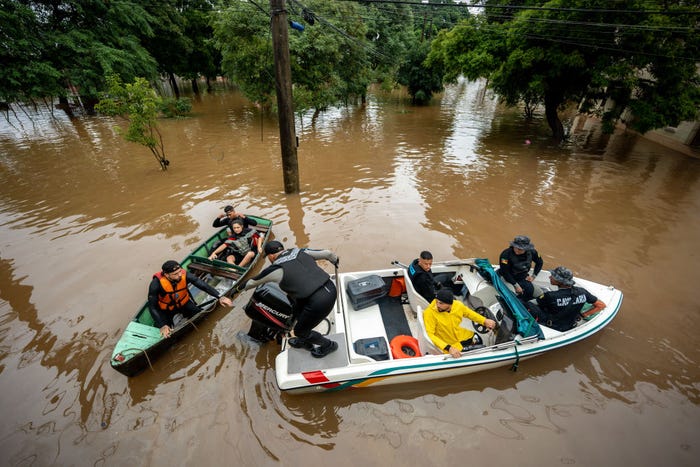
(141, 342)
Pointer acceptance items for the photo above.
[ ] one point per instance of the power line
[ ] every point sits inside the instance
(535, 8)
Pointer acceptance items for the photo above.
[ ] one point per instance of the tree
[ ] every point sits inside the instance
(59, 48)
(555, 52)
(139, 105)
(168, 44)
(421, 80)
(328, 59)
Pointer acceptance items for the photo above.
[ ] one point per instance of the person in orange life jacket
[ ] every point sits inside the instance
(560, 309)
(309, 288)
(515, 262)
(241, 246)
(423, 279)
(168, 295)
(442, 321)
(229, 215)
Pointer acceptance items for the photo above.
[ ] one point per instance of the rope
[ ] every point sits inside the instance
(517, 358)
(148, 359)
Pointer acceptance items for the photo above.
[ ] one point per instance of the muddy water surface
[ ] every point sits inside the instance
(85, 220)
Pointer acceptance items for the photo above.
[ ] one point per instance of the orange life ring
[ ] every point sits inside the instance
(409, 343)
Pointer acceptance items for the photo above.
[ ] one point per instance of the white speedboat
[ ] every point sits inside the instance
(381, 338)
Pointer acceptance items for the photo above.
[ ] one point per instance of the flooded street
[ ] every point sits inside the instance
(86, 219)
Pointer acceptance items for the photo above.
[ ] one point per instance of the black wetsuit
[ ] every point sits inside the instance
(309, 287)
(226, 222)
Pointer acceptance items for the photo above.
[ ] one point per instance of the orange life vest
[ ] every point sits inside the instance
(173, 297)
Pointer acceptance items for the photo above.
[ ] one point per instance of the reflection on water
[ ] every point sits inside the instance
(87, 218)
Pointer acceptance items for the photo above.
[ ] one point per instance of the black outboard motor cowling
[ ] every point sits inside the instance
(271, 312)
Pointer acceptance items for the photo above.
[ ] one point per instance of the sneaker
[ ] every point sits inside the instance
(323, 350)
(299, 343)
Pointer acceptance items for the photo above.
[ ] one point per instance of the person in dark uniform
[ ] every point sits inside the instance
(560, 309)
(424, 281)
(308, 287)
(515, 262)
(229, 215)
(168, 295)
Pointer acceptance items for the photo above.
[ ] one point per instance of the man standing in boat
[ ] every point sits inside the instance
(308, 287)
(515, 262)
(168, 295)
(560, 309)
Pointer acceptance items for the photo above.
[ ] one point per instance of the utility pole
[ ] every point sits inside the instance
(283, 85)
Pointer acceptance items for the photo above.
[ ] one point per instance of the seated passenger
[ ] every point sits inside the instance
(515, 262)
(241, 247)
(560, 309)
(442, 323)
(229, 215)
(423, 279)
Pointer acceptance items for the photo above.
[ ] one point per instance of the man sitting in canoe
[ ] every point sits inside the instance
(442, 323)
(308, 287)
(560, 309)
(168, 295)
(241, 246)
(229, 215)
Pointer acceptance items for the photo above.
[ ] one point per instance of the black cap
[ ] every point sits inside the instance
(273, 247)
(445, 296)
(170, 266)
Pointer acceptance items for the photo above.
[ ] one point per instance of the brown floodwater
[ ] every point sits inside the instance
(86, 219)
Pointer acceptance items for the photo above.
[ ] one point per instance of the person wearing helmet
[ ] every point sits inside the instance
(560, 309)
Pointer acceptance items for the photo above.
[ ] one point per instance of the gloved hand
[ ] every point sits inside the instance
(335, 261)
(240, 286)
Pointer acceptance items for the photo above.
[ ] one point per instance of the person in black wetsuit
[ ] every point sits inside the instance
(308, 287)
(168, 295)
(229, 215)
(424, 281)
(560, 309)
(515, 262)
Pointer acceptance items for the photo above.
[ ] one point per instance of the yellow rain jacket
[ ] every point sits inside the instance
(444, 328)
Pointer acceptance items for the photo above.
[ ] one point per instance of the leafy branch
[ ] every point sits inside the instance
(138, 104)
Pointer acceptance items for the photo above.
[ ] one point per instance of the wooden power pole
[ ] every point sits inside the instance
(283, 80)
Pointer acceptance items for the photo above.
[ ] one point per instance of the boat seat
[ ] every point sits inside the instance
(426, 345)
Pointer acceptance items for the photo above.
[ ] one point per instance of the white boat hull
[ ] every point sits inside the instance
(297, 372)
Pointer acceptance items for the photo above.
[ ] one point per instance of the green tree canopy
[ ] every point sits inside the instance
(553, 52)
(53, 48)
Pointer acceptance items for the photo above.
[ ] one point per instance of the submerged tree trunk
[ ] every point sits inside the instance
(551, 104)
(173, 84)
(195, 87)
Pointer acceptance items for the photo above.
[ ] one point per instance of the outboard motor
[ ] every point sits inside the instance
(271, 312)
